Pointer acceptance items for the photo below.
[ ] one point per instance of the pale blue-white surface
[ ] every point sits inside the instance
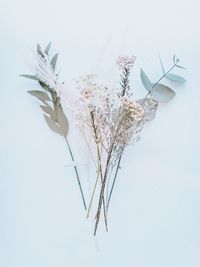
(155, 211)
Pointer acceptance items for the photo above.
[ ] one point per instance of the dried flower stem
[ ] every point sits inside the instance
(113, 184)
(92, 197)
(99, 165)
(94, 189)
(101, 197)
(108, 183)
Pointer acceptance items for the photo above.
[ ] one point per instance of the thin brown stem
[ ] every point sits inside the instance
(100, 166)
(92, 197)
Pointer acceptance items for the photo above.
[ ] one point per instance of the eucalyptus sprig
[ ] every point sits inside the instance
(51, 105)
(158, 91)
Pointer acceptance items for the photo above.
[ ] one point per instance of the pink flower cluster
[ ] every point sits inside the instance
(125, 62)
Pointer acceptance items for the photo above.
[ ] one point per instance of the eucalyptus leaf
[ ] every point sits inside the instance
(145, 80)
(43, 96)
(47, 48)
(52, 125)
(49, 110)
(53, 61)
(175, 78)
(32, 77)
(162, 93)
(62, 121)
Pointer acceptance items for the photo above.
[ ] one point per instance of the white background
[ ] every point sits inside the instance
(155, 211)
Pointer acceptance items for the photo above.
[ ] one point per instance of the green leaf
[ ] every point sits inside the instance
(52, 125)
(175, 78)
(53, 61)
(47, 48)
(32, 77)
(43, 96)
(62, 121)
(145, 80)
(49, 110)
(162, 65)
(162, 93)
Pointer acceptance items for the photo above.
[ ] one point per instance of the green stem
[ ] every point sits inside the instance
(165, 74)
(77, 175)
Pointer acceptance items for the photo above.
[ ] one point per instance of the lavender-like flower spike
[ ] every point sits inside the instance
(125, 62)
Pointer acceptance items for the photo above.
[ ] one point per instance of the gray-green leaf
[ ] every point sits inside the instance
(53, 61)
(43, 96)
(145, 80)
(52, 125)
(175, 78)
(62, 121)
(49, 110)
(162, 93)
(32, 77)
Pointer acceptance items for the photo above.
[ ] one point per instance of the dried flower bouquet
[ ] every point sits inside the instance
(107, 114)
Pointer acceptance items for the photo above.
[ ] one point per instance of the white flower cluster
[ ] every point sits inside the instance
(97, 98)
(114, 119)
(125, 62)
(133, 109)
(95, 93)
